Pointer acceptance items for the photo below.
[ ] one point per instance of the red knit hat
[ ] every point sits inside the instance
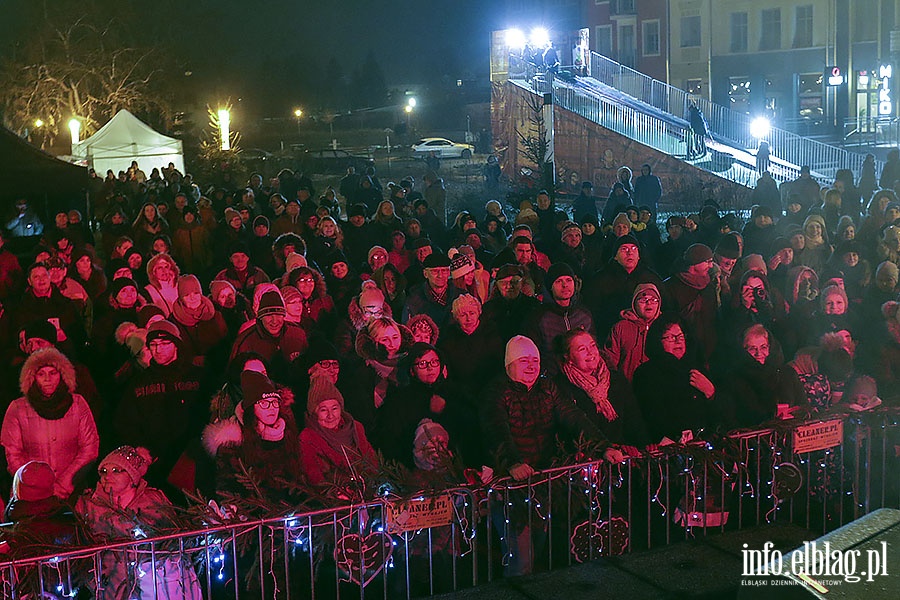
(34, 481)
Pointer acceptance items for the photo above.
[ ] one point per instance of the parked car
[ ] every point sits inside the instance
(444, 147)
(255, 154)
(329, 160)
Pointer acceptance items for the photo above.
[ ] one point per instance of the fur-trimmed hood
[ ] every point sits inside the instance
(368, 349)
(47, 357)
(229, 432)
(414, 321)
(151, 264)
(221, 433)
(356, 315)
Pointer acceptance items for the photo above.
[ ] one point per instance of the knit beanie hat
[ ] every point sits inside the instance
(238, 247)
(421, 242)
(188, 284)
(435, 259)
(755, 262)
(427, 431)
(230, 214)
(134, 461)
(295, 261)
(261, 220)
(557, 270)
(644, 288)
(621, 219)
(779, 244)
(271, 303)
(41, 329)
(357, 210)
(148, 312)
(728, 247)
(888, 270)
(696, 254)
(373, 250)
(322, 389)
(289, 294)
(334, 257)
(216, 287)
(34, 481)
(256, 387)
(460, 264)
(164, 329)
(320, 349)
(624, 240)
(370, 295)
(519, 347)
(117, 285)
(509, 270)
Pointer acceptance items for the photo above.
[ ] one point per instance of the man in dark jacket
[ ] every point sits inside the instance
(508, 308)
(163, 407)
(560, 312)
(434, 297)
(276, 340)
(521, 414)
(585, 203)
(609, 291)
(647, 189)
(693, 295)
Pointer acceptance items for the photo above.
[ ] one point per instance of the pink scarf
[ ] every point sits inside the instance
(595, 385)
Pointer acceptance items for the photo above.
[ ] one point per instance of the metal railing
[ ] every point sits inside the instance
(559, 516)
(870, 132)
(725, 124)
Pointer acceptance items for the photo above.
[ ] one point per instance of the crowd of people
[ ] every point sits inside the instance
(297, 338)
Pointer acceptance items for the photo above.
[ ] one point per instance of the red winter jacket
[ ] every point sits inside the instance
(321, 462)
(624, 349)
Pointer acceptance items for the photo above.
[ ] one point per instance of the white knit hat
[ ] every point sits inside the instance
(518, 347)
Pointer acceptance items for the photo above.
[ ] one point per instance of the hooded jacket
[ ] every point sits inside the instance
(67, 444)
(625, 347)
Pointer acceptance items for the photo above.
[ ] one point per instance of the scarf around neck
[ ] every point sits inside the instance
(271, 433)
(698, 282)
(190, 317)
(595, 385)
(53, 408)
(342, 437)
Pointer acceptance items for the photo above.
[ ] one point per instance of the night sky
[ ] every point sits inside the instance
(241, 48)
(412, 40)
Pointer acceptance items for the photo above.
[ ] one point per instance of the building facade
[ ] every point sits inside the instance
(771, 58)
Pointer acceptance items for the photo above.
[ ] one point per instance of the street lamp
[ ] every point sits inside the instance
(298, 113)
(75, 130)
(408, 109)
(411, 103)
(38, 123)
(225, 128)
(540, 37)
(515, 39)
(760, 127)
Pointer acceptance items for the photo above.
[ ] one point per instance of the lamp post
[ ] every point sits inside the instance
(225, 128)
(410, 105)
(75, 130)
(298, 114)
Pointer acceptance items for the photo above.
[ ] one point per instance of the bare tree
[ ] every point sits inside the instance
(79, 70)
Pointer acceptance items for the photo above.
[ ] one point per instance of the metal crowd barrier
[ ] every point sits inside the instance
(819, 474)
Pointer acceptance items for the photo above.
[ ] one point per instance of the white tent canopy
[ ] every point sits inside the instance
(124, 139)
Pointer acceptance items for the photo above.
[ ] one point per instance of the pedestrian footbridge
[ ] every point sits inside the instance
(654, 113)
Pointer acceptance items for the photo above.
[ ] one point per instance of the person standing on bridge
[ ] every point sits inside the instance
(700, 129)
